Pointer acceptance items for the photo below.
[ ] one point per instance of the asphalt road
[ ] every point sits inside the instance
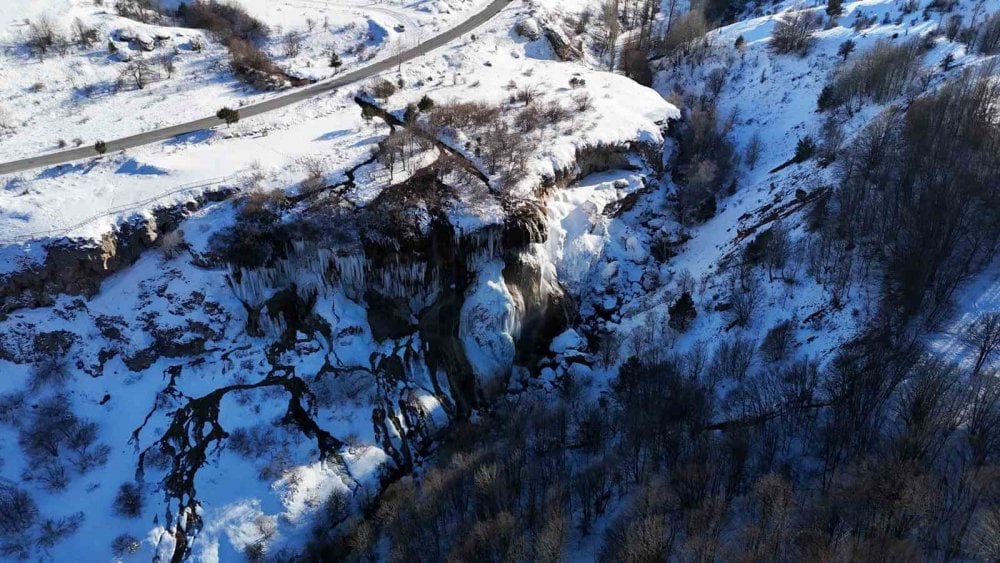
(271, 104)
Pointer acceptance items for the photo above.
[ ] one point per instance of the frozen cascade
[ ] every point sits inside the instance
(351, 268)
(480, 246)
(490, 324)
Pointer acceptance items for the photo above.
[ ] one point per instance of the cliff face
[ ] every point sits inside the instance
(77, 267)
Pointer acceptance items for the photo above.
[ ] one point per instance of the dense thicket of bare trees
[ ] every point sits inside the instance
(919, 197)
(705, 164)
(891, 456)
(44, 36)
(225, 19)
(878, 75)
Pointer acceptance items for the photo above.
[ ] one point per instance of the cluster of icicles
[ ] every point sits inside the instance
(316, 270)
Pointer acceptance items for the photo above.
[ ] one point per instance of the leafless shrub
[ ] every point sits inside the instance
(733, 359)
(292, 44)
(778, 341)
(716, 81)
(145, 11)
(705, 164)
(315, 174)
(633, 61)
(683, 31)
(529, 119)
(253, 442)
(988, 36)
(84, 35)
(751, 154)
(744, 300)
(464, 115)
(139, 72)
(252, 65)
(53, 434)
(52, 531)
(527, 94)
(383, 89)
(12, 407)
(125, 544)
(168, 65)
(18, 510)
(225, 19)
(128, 502)
(554, 112)
(43, 36)
(583, 102)
(51, 372)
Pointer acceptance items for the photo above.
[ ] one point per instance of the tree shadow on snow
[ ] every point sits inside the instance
(136, 168)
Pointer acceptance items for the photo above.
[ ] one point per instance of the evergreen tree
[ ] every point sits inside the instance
(425, 104)
(846, 48)
(682, 312)
(805, 149)
(228, 115)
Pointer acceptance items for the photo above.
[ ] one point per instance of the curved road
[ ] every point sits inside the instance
(271, 104)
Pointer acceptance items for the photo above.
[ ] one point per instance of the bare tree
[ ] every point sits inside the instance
(292, 44)
(716, 81)
(733, 359)
(744, 300)
(43, 36)
(751, 154)
(84, 35)
(139, 72)
(983, 337)
(986, 535)
(18, 510)
(610, 31)
(527, 94)
(793, 32)
(168, 65)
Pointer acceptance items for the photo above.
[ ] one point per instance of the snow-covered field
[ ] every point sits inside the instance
(74, 98)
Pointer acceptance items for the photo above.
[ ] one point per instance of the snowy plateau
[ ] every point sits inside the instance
(243, 342)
